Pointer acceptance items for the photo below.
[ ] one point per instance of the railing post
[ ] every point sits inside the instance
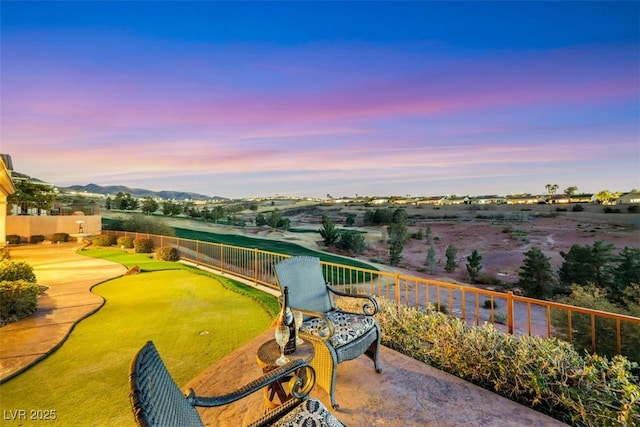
(510, 311)
(255, 266)
(397, 290)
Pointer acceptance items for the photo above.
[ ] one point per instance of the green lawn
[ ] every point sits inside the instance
(194, 319)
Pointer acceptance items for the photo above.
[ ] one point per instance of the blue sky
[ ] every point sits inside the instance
(244, 99)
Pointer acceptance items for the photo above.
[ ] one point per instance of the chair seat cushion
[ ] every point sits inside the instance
(347, 326)
(309, 413)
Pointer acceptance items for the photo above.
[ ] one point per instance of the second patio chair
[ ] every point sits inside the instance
(336, 335)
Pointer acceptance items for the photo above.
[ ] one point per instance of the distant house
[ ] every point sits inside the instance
(435, 200)
(6, 189)
(486, 200)
(523, 199)
(631, 198)
(583, 198)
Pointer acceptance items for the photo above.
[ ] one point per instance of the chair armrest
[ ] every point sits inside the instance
(300, 385)
(369, 307)
(325, 327)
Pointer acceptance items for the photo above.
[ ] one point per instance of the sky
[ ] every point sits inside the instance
(247, 99)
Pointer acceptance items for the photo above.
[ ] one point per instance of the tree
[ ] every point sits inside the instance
(551, 189)
(107, 203)
(149, 205)
(32, 195)
(217, 213)
(274, 219)
(626, 272)
(587, 264)
(350, 220)
(352, 241)
(451, 254)
(395, 252)
(260, 220)
(536, 274)
(328, 231)
(474, 265)
(605, 196)
(430, 262)
(170, 208)
(570, 191)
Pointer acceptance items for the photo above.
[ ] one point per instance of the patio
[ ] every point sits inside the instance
(407, 393)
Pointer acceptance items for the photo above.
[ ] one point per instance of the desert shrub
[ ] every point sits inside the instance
(546, 374)
(634, 209)
(487, 304)
(60, 237)
(167, 253)
(104, 240)
(487, 279)
(36, 238)
(16, 270)
(609, 209)
(143, 245)
(126, 242)
(561, 209)
(18, 299)
(4, 254)
(577, 208)
(13, 239)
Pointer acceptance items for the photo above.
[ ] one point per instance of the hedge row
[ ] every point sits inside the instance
(545, 374)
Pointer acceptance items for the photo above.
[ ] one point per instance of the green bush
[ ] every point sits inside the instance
(13, 239)
(36, 238)
(577, 208)
(634, 209)
(104, 240)
(16, 270)
(126, 242)
(60, 237)
(545, 374)
(167, 253)
(143, 245)
(18, 299)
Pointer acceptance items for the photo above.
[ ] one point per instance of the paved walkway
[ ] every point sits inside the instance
(407, 393)
(70, 277)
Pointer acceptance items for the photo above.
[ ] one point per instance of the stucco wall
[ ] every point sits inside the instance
(27, 225)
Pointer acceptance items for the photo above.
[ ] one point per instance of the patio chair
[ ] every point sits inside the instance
(156, 400)
(336, 335)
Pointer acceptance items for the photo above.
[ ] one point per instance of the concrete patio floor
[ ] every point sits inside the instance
(406, 393)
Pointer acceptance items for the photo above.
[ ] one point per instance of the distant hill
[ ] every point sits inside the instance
(112, 190)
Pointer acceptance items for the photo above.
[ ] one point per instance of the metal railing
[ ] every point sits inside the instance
(508, 312)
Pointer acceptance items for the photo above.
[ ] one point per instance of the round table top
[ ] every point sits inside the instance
(270, 351)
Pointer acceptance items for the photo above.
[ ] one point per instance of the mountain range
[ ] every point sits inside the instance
(112, 190)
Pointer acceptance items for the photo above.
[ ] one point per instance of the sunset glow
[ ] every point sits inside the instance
(241, 99)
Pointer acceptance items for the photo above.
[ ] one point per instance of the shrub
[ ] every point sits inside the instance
(545, 374)
(104, 240)
(489, 304)
(143, 245)
(167, 253)
(577, 208)
(36, 238)
(609, 209)
(18, 299)
(126, 242)
(13, 239)
(16, 270)
(4, 254)
(634, 209)
(60, 237)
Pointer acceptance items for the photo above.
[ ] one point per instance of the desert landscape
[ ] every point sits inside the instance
(500, 233)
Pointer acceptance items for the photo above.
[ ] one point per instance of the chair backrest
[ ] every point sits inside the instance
(307, 286)
(156, 400)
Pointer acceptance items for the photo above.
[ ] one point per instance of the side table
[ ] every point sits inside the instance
(275, 394)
